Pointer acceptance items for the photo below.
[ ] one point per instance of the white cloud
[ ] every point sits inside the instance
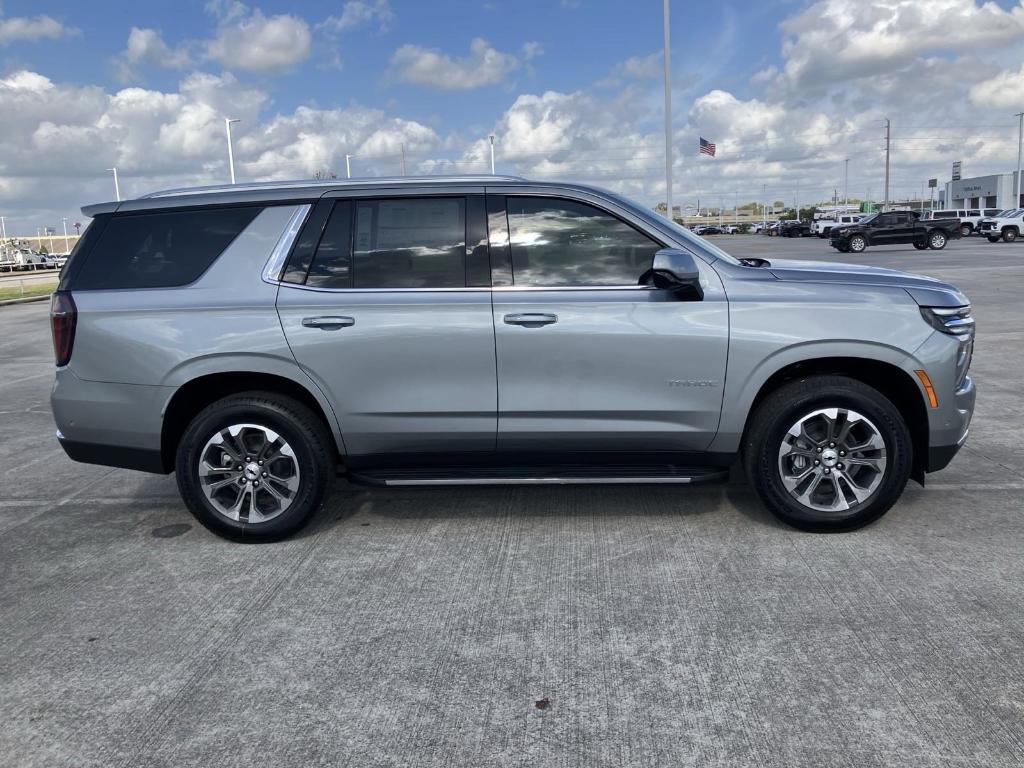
(1003, 90)
(147, 47)
(836, 40)
(483, 66)
(36, 28)
(258, 43)
(356, 13)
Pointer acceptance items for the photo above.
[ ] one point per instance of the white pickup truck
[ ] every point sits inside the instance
(970, 218)
(1006, 226)
(822, 227)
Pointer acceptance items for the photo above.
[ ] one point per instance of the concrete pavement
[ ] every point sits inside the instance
(664, 626)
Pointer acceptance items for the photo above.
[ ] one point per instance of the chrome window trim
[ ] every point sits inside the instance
(503, 288)
(275, 264)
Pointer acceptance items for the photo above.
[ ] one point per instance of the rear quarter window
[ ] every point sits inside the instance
(160, 250)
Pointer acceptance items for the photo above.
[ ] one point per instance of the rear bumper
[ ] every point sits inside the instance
(144, 460)
(118, 425)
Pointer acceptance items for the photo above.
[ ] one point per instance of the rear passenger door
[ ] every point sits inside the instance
(386, 303)
(589, 357)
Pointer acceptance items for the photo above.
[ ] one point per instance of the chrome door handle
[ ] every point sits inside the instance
(328, 323)
(531, 319)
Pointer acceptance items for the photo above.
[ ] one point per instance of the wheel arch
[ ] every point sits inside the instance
(197, 393)
(889, 379)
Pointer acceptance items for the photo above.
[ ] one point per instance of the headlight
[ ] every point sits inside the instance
(954, 321)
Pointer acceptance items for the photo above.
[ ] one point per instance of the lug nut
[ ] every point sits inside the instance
(238, 468)
(264, 474)
(819, 450)
(261, 462)
(842, 453)
(256, 482)
(831, 445)
(839, 466)
(816, 462)
(827, 470)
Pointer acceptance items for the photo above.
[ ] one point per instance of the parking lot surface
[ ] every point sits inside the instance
(577, 626)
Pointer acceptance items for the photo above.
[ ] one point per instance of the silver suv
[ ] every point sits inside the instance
(260, 339)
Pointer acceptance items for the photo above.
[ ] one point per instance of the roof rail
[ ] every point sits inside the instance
(327, 184)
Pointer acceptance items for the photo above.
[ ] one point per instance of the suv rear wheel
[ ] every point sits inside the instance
(827, 453)
(255, 466)
(965, 230)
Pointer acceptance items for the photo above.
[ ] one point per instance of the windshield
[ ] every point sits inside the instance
(678, 230)
(869, 218)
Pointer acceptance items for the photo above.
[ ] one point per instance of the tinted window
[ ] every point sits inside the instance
(332, 265)
(944, 215)
(562, 242)
(161, 250)
(410, 243)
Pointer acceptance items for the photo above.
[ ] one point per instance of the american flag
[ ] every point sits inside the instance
(706, 147)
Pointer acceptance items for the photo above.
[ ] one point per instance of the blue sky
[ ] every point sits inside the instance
(571, 89)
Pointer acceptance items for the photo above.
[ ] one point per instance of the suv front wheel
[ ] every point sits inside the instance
(827, 453)
(255, 466)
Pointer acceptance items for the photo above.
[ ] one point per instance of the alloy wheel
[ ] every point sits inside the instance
(248, 473)
(832, 460)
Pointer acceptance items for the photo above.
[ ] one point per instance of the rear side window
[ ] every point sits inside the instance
(394, 243)
(161, 250)
(566, 243)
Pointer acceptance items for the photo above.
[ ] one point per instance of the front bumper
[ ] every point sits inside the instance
(957, 423)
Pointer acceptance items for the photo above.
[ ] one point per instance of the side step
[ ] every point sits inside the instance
(570, 475)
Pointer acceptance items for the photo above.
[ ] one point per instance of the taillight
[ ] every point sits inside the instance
(63, 318)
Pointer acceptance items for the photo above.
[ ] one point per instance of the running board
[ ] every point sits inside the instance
(614, 475)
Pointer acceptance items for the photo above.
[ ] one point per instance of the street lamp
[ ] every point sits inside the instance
(348, 166)
(668, 111)
(491, 137)
(117, 188)
(64, 221)
(231, 154)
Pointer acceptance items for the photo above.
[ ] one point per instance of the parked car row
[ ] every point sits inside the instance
(1005, 226)
(24, 260)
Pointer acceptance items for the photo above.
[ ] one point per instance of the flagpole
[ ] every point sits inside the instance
(668, 116)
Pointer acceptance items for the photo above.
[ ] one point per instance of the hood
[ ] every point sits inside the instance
(926, 291)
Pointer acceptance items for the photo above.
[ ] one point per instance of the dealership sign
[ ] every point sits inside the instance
(956, 170)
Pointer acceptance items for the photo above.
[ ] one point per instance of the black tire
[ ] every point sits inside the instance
(306, 434)
(842, 248)
(993, 238)
(858, 243)
(1009, 235)
(791, 402)
(920, 246)
(966, 230)
(937, 240)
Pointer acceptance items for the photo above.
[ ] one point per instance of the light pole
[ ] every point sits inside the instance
(64, 221)
(348, 166)
(1020, 141)
(491, 137)
(846, 182)
(117, 187)
(668, 115)
(231, 152)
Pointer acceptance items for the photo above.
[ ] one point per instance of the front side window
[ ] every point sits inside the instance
(161, 250)
(566, 243)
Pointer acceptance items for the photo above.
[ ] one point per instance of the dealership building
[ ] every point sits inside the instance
(995, 191)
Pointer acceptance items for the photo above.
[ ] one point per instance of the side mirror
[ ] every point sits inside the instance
(676, 270)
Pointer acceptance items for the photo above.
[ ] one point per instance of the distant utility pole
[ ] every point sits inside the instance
(888, 126)
(3, 227)
(668, 114)
(846, 181)
(117, 188)
(491, 137)
(64, 221)
(1020, 141)
(735, 207)
(231, 154)
(403, 158)
(764, 206)
(348, 167)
